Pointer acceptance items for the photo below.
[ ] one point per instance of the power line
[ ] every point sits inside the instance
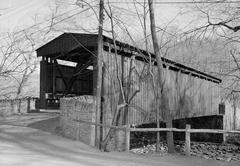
(65, 18)
(55, 22)
(17, 10)
(6, 36)
(177, 2)
(61, 20)
(22, 30)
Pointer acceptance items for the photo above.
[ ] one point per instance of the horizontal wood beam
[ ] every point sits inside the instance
(102, 125)
(160, 129)
(184, 130)
(156, 129)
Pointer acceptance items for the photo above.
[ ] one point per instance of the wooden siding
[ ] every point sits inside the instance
(229, 117)
(188, 96)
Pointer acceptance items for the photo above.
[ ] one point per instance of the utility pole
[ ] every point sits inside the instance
(99, 73)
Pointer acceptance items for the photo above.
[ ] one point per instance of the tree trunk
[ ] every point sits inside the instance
(160, 80)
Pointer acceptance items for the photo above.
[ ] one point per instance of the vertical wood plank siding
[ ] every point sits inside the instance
(188, 96)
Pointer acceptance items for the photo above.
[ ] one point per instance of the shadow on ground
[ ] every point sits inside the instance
(30, 146)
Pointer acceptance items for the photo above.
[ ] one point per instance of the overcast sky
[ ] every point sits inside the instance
(20, 13)
(16, 14)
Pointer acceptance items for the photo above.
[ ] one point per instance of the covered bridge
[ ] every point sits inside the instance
(68, 69)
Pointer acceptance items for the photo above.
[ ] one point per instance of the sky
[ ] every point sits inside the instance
(17, 14)
(20, 13)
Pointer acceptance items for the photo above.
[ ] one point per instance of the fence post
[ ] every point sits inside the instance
(28, 104)
(187, 140)
(127, 132)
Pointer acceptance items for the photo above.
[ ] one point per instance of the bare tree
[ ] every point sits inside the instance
(18, 62)
(160, 95)
(220, 22)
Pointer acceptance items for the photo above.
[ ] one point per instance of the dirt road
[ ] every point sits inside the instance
(24, 146)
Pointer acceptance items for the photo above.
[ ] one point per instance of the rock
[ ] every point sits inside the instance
(229, 159)
(223, 152)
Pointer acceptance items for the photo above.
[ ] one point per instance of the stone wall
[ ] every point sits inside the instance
(78, 108)
(14, 106)
(82, 108)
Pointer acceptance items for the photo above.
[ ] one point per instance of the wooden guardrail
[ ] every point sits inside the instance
(101, 125)
(187, 131)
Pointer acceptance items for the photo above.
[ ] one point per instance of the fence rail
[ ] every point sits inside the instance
(101, 125)
(187, 131)
(184, 130)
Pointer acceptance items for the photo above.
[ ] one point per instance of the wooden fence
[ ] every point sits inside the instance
(187, 131)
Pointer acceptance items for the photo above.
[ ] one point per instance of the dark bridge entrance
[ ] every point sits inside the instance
(66, 68)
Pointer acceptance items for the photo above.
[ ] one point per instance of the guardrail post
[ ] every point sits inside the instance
(187, 140)
(127, 132)
(28, 104)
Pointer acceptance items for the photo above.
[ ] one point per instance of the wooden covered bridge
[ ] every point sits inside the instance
(68, 68)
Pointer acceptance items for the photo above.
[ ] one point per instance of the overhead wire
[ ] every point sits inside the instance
(50, 19)
(62, 20)
(16, 10)
(58, 21)
(40, 23)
